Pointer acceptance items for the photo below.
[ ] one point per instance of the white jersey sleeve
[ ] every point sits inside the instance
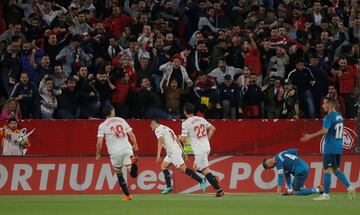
(206, 123)
(101, 131)
(158, 132)
(127, 127)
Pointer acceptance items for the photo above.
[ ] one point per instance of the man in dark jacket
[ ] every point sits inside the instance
(69, 107)
(28, 97)
(229, 99)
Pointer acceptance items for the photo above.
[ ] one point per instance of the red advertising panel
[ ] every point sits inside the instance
(78, 137)
(77, 175)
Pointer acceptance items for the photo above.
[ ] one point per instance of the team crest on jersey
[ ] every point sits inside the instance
(349, 137)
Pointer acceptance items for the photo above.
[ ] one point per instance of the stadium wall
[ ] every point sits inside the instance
(78, 137)
(85, 175)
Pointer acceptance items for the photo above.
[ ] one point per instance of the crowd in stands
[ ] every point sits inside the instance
(232, 59)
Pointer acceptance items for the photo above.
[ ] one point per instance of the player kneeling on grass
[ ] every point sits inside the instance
(174, 155)
(288, 163)
(117, 134)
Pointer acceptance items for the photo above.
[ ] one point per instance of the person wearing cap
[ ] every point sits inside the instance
(229, 99)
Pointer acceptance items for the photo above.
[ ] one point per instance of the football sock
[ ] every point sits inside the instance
(212, 180)
(340, 175)
(305, 191)
(327, 182)
(133, 170)
(288, 182)
(122, 184)
(167, 177)
(193, 175)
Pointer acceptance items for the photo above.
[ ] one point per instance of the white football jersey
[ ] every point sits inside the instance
(196, 129)
(115, 130)
(169, 138)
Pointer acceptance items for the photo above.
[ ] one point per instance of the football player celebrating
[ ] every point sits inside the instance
(200, 132)
(332, 149)
(289, 163)
(174, 155)
(117, 134)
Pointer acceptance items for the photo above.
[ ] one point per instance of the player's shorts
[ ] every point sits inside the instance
(175, 157)
(201, 160)
(331, 161)
(299, 180)
(121, 159)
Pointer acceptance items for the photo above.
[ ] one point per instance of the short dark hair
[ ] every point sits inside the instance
(12, 119)
(331, 100)
(156, 120)
(189, 108)
(299, 60)
(107, 110)
(264, 163)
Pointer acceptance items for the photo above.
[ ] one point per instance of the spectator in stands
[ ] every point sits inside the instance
(48, 99)
(303, 79)
(173, 98)
(278, 63)
(175, 71)
(252, 96)
(11, 110)
(222, 70)
(12, 33)
(72, 56)
(104, 86)
(41, 69)
(291, 107)
(80, 26)
(29, 57)
(321, 81)
(119, 95)
(59, 78)
(229, 100)
(52, 47)
(12, 67)
(273, 97)
(48, 14)
(149, 102)
(69, 106)
(205, 90)
(27, 94)
(117, 22)
(332, 92)
(346, 77)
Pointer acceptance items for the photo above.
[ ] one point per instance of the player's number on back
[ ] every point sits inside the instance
(118, 130)
(200, 131)
(172, 135)
(292, 157)
(339, 130)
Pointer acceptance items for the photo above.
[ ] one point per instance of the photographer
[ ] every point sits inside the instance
(11, 146)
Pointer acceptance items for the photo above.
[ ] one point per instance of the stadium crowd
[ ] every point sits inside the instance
(232, 59)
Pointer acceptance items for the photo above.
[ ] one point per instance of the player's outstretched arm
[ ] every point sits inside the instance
(132, 139)
(98, 147)
(307, 137)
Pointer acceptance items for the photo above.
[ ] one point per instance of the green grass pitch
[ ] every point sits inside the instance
(177, 204)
